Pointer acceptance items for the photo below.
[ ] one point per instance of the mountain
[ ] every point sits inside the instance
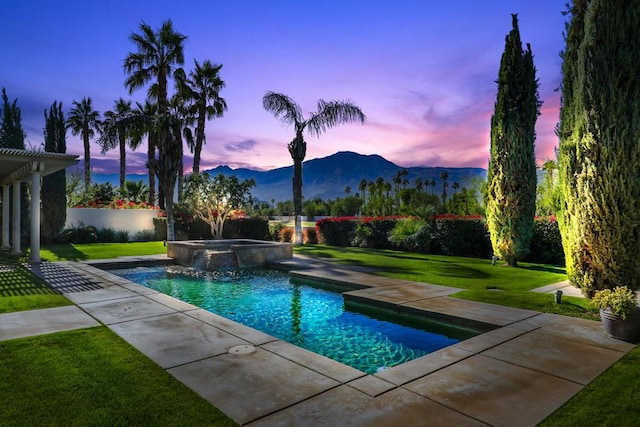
(327, 177)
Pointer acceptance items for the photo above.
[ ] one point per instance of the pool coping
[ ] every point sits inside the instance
(519, 372)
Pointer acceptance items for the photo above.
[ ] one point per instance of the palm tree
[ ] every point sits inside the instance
(84, 120)
(328, 115)
(419, 184)
(147, 125)
(444, 176)
(158, 53)
(363, 189)
(455, 187)
(201, 90)
(347, 190)
(117, 130)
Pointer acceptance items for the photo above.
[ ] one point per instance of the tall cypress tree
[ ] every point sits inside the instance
(599, 134)
(54, 199)
(11, 133)
(511, 184)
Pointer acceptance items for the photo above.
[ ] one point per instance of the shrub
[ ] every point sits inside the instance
(160, 228)
(106, 235)
(79, 234)
(287, 234)
(412, 234)
(310, 236)
(336, 231)
(463, 236)
(246, 228)
(145, 236)
(275, 230)
(546, 244)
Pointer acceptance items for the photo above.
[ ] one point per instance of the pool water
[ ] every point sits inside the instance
(307, 315)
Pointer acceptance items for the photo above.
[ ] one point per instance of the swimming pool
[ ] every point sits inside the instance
(309, 315)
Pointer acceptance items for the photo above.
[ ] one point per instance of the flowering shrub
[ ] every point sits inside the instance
(115, 204)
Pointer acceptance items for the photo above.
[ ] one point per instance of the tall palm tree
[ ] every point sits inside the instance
(158, 54)
(147, 125)
(362, 186)
(201, 91)
(328, 115)
(117, 131)
(84, 120)
(444, 176)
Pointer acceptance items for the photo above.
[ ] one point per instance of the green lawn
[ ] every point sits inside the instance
(20, 290)
(481, 281)
(73, 252)
(92, 377)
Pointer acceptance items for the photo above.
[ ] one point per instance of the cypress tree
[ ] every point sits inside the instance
(11, 133)
(54, 199)
(599, 134)
(511, 182)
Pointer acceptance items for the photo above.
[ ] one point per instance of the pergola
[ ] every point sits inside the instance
(18, 166)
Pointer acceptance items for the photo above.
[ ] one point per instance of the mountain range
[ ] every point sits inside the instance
(328, 177)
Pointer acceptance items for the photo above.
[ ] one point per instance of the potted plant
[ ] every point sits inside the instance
(619, 312)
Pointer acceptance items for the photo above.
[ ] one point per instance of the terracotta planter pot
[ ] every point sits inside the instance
(617, 328)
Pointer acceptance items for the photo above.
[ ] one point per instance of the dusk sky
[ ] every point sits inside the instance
(422, 71)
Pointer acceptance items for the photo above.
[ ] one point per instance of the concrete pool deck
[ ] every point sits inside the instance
(516, 374)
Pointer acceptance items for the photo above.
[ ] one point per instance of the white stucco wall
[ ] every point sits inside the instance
(132, 220)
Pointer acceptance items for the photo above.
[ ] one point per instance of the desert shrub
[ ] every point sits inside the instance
(78, 234)
(412, 234)
(287, 234)
(546, 244)
(361, 235)
(275, 230)
(310, 236)
(463, 236)
(106, 235)
(122, 236)
(246, 228)
(145, 236)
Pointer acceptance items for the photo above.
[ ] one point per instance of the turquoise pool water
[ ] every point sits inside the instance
(307, 315)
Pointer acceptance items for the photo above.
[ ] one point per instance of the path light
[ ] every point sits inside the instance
(493, 260)
(558, 296)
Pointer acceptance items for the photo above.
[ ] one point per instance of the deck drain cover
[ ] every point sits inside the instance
(242, 349)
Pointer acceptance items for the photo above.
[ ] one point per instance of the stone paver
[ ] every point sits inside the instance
(249, 386)
(544, 352)
(345, 406)
(176, 339)
(479, 311)
(22, 324)
(400, 293)
(496, 392)
(125, 309)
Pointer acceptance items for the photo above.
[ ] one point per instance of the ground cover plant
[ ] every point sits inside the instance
(479, 279)
(93, 377)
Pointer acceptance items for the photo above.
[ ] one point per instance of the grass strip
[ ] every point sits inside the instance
(609, 400)
(92, 377)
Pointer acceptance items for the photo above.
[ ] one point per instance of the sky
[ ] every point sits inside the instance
(422, 71)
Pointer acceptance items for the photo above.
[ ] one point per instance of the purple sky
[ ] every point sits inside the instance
(422, 71)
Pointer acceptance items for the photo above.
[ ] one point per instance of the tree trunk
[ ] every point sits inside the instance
(123, 163)
(298, 151)
(151, 155)
(87, 163)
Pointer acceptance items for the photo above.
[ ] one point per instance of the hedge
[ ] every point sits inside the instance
(451, 235)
